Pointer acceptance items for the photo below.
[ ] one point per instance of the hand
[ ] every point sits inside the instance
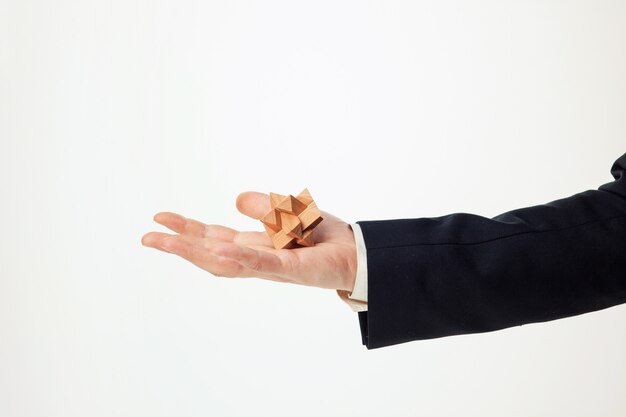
(225, 252)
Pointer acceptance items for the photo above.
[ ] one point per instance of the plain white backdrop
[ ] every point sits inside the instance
(111, 111)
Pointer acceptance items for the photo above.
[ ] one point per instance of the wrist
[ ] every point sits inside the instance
(351, 265)
(351, 277)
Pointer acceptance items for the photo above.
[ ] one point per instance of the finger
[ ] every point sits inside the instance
(155, 239)
(253, 204)
(226, 234)
(205, 256)
(199, 252)
(181, 224)
(260, 260)
(253, 239)
(218, 232)
(191, 227)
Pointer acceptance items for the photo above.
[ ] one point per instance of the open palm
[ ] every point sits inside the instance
(226, 252)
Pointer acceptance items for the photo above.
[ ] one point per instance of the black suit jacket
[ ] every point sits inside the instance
(463, 273)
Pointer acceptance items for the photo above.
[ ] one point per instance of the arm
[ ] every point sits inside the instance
(463, 273)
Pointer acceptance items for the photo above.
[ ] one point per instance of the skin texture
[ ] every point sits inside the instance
(225, 252)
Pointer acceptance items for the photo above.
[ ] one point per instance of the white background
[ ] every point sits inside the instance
(111, 111)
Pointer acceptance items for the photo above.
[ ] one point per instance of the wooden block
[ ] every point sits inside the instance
(291, 205)
(269, 231)
(305, 197)
(306, 239)
(275, 199)
(282, 241)
(291, 220)
(311, 216)
(291, 224)
(272, 220)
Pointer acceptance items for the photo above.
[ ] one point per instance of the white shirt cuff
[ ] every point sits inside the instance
(357, 299)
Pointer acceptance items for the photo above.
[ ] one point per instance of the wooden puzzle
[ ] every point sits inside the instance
(291, 220)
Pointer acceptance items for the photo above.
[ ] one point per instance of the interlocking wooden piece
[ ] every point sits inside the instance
(272, 221)
(291, 205)
(282, 241)
(306, 239)
(275, 199)
(311, 216)
(291, 224)
(291, 220)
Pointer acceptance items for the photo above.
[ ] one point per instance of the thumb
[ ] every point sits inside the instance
(253, 204)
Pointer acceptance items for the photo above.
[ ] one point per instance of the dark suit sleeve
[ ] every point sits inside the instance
(463, 273)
